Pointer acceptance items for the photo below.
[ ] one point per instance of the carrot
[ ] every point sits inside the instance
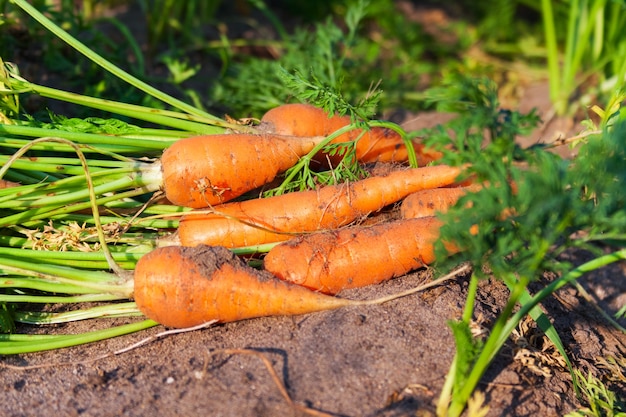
(278, 218)
(425, 203)
(183, 287)
(7, 184)
(205, 170)
(375, 145)
(357, 256)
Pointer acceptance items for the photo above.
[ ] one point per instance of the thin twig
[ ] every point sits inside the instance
(560, 141)
(459, 271)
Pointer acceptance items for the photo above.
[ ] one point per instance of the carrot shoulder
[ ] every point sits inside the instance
(375, 145)
(353, 257)
(279, 218)
(183, 287)
(205, 170)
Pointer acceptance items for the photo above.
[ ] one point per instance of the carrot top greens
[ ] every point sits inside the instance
(552, 205)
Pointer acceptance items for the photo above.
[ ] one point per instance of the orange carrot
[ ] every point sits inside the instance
(375, 145)
(205, 170)
(183, 287)
(278, 218)
(356, 256)
(426, 203)
(7, 184)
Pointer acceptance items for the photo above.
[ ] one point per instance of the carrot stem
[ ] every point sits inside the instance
(11, 344)
(128, 309)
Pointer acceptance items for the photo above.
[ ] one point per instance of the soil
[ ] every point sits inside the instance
(387, 360)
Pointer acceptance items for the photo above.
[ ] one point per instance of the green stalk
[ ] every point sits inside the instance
(66, 256)
(468, 311)
(489, 350)
(99, 60)
(143, 222)
(559, 283)
(63, 164)
(134, 179)
(99, 281)
(181, 121)
(11, 344)
(114, 151)
(82, 138)
(128, 309)
(19, 283)
(36, 164)
(552, 50)
(569, 69)
(62, 196)
(68, 184)
(47, 212)
(53, 299)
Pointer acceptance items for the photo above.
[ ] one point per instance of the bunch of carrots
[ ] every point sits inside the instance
(317, 247)
(313, 243)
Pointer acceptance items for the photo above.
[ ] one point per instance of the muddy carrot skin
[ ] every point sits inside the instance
(329, 262)
(376, 145)
(183, 287)
(202, 171)
(279, 218)
(426, 203)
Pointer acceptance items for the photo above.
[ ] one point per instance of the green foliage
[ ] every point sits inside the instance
(535, 207)
(174, 23)
(594, 46)
(601, 400)
(88, 125)
(468, 348)
(551, 198)
(258, 84)
(339, 55)
(330, 98)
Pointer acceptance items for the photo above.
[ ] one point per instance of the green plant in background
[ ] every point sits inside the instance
(592, 60)
(537, 207)
(257, 85)
(601, 400)
(342, 56)
(174, 22)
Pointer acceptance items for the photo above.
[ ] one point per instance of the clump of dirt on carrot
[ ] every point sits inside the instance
(202, 171)
(183, 287)
(279, 218)
(356, 256)
(374, 145)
